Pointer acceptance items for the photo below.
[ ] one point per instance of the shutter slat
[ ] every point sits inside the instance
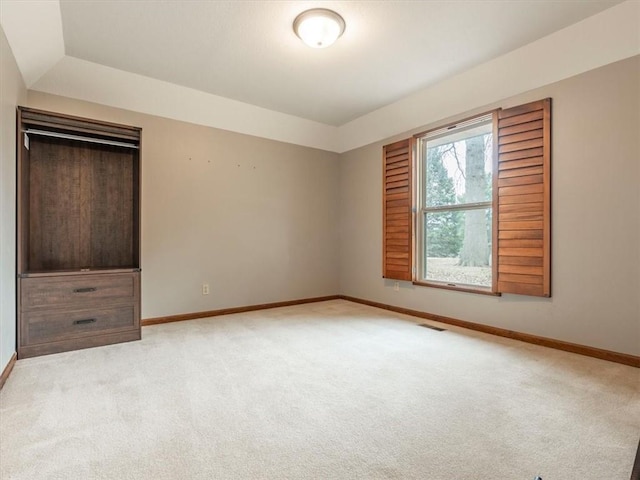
(518, 278)
(523, 261)
(520, 252)
(521, 109)
(520, 172)
(524, 180)
(397, 248)
(535, 225)
(401, 197)
(402, 158)
(396, 150)
(396, 171)
(524, 196)
(521, 207)
(397, 226)
(397, 222)
(519, 137)
(519, 234)
(398, 183)
(395, 242)
(391, 255)
(397, 176)
(401, 229)
(394, 210)
(521, 189)
(520, 216)
(531, 152)
(520, 269)
(519, 128)
(517, 119)
(530, 198)
(521, 242)
(518, 146)
(401, 190)
(395, 273)
(399, 236)
(521, 289)
(396, 216)
(397, 260)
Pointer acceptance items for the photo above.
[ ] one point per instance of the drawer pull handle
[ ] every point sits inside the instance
(84, 321)
(84, 290)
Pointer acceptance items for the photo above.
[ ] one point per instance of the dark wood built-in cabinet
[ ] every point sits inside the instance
(78, 252)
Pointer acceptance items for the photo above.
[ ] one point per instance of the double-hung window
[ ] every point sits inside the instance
(467, 206)
(455, 204)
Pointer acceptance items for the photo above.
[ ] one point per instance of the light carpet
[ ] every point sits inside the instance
(332, 390)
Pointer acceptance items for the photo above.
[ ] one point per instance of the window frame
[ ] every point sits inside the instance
(420, 209)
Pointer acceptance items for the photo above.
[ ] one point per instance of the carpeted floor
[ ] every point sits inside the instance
(332, 390)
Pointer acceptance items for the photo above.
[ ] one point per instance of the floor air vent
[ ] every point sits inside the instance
(426, 325)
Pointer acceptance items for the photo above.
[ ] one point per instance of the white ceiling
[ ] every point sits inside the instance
(247, 51)
(238, 66)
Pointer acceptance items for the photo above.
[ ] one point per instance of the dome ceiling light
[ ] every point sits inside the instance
(318, 27)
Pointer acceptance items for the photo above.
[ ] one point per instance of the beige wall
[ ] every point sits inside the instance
(595, 222)
(12, 93)
(263, 221)
(256, 219)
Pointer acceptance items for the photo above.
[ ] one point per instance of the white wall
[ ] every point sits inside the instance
(12, 93)
(255, 218)
(595, 221)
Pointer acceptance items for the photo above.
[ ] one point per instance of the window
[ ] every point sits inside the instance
(467, 206)
(455, 200)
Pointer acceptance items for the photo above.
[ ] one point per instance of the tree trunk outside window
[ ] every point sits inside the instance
(475, 248)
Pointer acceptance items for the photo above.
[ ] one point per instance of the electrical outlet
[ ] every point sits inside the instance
(205, 289)
(396, 286)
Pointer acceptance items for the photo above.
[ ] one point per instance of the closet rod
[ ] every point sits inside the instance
(78, 137)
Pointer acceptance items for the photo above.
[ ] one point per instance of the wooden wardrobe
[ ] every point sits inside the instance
(78, 233)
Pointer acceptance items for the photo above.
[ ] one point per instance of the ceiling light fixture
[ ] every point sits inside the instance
(318, 27)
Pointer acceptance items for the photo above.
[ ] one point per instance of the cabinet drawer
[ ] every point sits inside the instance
(76, 291)
(53, 326)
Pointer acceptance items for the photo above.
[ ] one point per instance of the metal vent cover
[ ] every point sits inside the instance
(432, 327)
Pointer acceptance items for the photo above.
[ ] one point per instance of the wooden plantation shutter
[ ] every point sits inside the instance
(524, 199)
(397, 223)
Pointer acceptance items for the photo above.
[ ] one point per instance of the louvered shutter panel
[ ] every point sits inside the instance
(396, 207)
(524, 199)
